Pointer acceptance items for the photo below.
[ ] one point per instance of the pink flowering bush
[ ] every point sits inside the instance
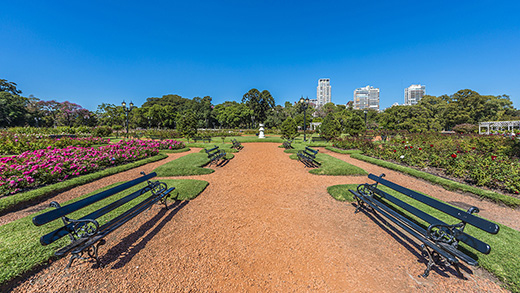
(36, 168)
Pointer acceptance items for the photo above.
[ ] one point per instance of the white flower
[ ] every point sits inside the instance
(402, 157)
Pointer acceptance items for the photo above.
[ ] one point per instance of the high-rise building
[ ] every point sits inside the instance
(413, 94)
(366, 98)
(323, 92)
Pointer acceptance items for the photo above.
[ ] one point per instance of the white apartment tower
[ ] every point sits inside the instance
(366, 98)
(323, 92)
(413, 94)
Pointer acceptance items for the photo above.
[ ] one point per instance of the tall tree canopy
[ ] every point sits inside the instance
(259, 102)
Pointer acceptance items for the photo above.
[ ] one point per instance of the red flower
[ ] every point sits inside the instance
(403, 141)
(453, 156)
(405, 147)
(458, 152)
(473, 148)
(395, 151)
(420, 148)
(493, 157)
(411, 147)
(431, 145)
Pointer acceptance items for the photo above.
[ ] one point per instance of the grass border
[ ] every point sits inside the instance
(10, 203)
(446, 183)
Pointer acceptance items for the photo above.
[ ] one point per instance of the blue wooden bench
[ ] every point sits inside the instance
(440, 240)
(86, 233)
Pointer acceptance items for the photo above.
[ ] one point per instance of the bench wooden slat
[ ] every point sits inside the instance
(480, 223)
(58, 213)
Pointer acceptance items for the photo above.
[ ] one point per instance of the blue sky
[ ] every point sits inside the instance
(90, 52)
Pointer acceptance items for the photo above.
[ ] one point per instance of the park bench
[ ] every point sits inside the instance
(87, 233)
(308, 157)
(56, 136)
(288, 144)
(318, 139)
(237, 145)
(202, 138)
(439, 239)
(155, 137)
(215, 154)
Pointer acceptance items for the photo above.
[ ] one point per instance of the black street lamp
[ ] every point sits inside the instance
(305, 103)
(127, 111)
(365, 118)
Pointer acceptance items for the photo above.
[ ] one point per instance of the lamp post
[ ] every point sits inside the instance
(305, 104)
(252, 122)
(127, 111)
(365, 118)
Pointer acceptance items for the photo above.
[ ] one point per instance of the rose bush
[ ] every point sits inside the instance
(491, 161)
(32, 169)
(12, 143)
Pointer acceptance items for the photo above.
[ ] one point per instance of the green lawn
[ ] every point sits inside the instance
(20, 248)
(504, 259)
(190, 164)
(331, 166)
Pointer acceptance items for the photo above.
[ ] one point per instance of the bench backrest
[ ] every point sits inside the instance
(464, 216)
(308, 149)
(65, 210)
(211, 150)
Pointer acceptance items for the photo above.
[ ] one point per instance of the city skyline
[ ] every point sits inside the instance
(133, 51)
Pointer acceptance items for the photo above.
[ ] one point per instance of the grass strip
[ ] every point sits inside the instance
(20, 248)
(504, 259)
(175, 151)
(446, 183)
(190, 164)
(333, 167)
(340, 151)
(9, 203)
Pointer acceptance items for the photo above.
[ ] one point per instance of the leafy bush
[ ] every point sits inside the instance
(289, 129)
(102, 131)
(465, 128)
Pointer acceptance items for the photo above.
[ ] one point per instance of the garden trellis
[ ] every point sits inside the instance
(498, 125)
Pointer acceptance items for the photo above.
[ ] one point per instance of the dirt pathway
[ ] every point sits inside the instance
(498, 213)
(263, 224)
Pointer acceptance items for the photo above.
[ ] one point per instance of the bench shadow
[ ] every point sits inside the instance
(411, 245)
(127, 248)
(223, 163)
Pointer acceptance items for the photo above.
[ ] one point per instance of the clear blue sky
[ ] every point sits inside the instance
(90, 52)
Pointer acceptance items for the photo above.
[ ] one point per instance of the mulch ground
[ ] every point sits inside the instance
(263, 224)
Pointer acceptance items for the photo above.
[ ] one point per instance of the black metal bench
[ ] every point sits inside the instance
(86, 233)
(308, 157)
(288, 144)
(319, 139)
(215, 155)
(439, 239)
(237, 145)
(154, 137)
(202, 138)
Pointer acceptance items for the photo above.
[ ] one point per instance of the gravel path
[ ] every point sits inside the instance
(263, 224)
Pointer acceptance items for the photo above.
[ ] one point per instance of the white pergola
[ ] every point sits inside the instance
(498, 125)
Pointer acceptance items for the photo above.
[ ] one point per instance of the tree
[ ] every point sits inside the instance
(259, 102)
(354, 125)
(187, 124)
(10, 87)
(289, 128)
(330, 128)
(13, 111)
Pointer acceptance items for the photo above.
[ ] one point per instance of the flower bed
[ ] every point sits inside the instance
(490, 161)
(17, 143)
(32, 169)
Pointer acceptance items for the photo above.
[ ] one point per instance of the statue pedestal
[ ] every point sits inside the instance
(261, 131)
